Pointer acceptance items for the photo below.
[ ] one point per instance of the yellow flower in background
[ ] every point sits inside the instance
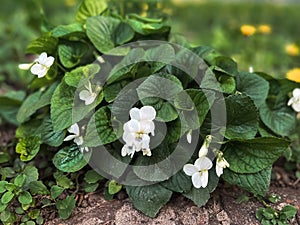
(145, 6)
(159, 5)
(293, 74)
(292, 49)
(264, 29)
(247, 30)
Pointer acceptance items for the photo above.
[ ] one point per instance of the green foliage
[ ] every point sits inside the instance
(270, 215)
(91, 63)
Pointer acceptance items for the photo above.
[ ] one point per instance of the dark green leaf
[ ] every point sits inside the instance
(73, 29)
(257, 183)
(180, 182)
(49, 136)
(42, 44)
(65, 206)
(149, 199)
(69, 159)
(100, 130)
(254, 86)
(242, 117)
(251, 156)
(38, 188)
(56, 191)
(281, 121)
(73, 77)
(20, 180)
(34, 102)
(92, 177)
(70, 53)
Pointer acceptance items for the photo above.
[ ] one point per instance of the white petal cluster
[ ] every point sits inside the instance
(76, 137)
(89, 95)
(199, 170)
(137, 131)
(295, 100)
(42, 65)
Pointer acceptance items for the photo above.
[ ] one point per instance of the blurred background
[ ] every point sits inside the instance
(264, 35)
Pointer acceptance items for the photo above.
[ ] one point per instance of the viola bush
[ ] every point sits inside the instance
(153, 117)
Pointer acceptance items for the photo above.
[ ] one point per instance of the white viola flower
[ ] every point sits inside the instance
(221, 164)
(295, 100)
(251, 69)
(189, 136)
(83, 149)
(75, 134)
(204, 148)
(25, 66)
(42, 65)
(89, 96)
(199, 171)
(137, 131)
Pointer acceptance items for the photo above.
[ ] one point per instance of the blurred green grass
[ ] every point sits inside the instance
(213, 23)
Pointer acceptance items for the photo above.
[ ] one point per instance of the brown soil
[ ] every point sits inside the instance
(222, 209)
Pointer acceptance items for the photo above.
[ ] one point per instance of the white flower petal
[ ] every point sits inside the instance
(129, 138)
(189, 137)
(196, 180)
(145, 141)
(296, 106)
(70, 137)
(135, 114)
(204, 178)
(25, 66)
(203, 163)
(49, 61)
(296, 92)
(291, 101)
(190, 169)
(124, 151)
(219, 170)
(74, 129)
(203, 151)
(78, 140)
(147, 127)
(134, 126)
(147, 152)
(147, 113)
(42, 58)
(38, 69)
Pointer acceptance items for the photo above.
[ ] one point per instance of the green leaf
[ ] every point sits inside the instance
(225, 65)
(180, 182)
(7, 197)
(113, 187)
(62, 180)
(254, 86)
(32, 174)
(67, 108)
(111, 91)
(3, 184)
(149, 199)
(69, 159)
(25, 197)
(20, 180)
(9, 108)
(28, 147)
(73, 29)
(251, 156)
(164, 53)
(4, 157)
(70, 53)
(92, 177)
(42, 44)
(288, 212)
(194, 105)
(100, 130)
(281, 121)
(65, 206)
(2, 207)
(56, 191)
(105, 32)
(34, 102)
(257, 183)
(7, 217)
(242, 117)
(49, 136)
(199, 196)
(147, 26)
(90, 8)
(33, 214)
(73, 77)
(90, 187)
(38, 188)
